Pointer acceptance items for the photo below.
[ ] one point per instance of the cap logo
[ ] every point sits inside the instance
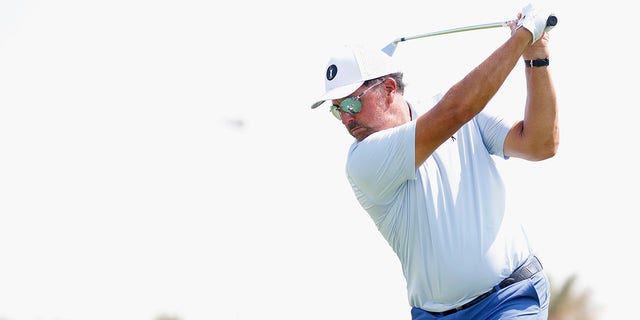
(331, 72)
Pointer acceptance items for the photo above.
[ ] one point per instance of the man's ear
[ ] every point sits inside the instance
(390, 85)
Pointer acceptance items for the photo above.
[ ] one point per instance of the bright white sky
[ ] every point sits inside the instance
(160, 157)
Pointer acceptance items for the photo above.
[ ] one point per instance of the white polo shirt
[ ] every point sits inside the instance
(446, 220)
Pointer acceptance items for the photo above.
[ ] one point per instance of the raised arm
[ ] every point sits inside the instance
(536, 137)
(530, 138)
(469, 96)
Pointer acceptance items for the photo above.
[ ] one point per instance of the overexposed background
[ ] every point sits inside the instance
(160, 157)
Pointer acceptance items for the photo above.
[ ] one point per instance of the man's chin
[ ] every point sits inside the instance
(359, 133)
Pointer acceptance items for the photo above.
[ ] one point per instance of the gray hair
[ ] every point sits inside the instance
(395, 76)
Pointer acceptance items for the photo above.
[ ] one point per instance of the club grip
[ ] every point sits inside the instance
(552, 21)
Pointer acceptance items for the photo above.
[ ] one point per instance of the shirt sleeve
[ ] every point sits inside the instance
(379, 164)
(494, 130)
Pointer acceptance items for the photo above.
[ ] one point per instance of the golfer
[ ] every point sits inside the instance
(429, 181)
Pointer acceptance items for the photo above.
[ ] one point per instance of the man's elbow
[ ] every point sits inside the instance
(543, 151)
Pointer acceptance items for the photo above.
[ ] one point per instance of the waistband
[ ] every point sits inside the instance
(525, 271)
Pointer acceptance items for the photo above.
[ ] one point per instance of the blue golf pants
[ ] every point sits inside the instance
(524, 300)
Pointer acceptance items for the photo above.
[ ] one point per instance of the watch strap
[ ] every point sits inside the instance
(536, 63)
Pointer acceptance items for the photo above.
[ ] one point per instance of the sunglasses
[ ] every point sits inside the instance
(351, 105)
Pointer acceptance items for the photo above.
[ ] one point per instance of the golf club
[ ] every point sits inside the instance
(391, 47)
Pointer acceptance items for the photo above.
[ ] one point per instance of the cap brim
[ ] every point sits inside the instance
(317, 104)
(337, 93)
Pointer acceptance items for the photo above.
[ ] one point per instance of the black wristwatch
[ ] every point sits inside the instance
(537, 63)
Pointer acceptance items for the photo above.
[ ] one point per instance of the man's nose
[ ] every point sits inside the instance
(346, 117)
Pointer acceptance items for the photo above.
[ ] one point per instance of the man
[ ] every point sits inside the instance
(429, 181)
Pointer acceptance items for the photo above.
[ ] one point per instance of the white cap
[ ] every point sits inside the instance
(350, 67)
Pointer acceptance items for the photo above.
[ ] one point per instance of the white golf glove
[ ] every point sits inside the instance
(534, 20)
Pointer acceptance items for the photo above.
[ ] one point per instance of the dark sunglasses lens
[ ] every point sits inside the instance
(351, 105)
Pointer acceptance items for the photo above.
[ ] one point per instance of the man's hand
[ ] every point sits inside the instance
(539, 49)
(535, 21)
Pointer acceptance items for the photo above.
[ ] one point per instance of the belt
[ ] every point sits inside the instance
(524, 271)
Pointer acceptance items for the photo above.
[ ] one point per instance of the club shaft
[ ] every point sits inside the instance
(460, 29)
(391, 47)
